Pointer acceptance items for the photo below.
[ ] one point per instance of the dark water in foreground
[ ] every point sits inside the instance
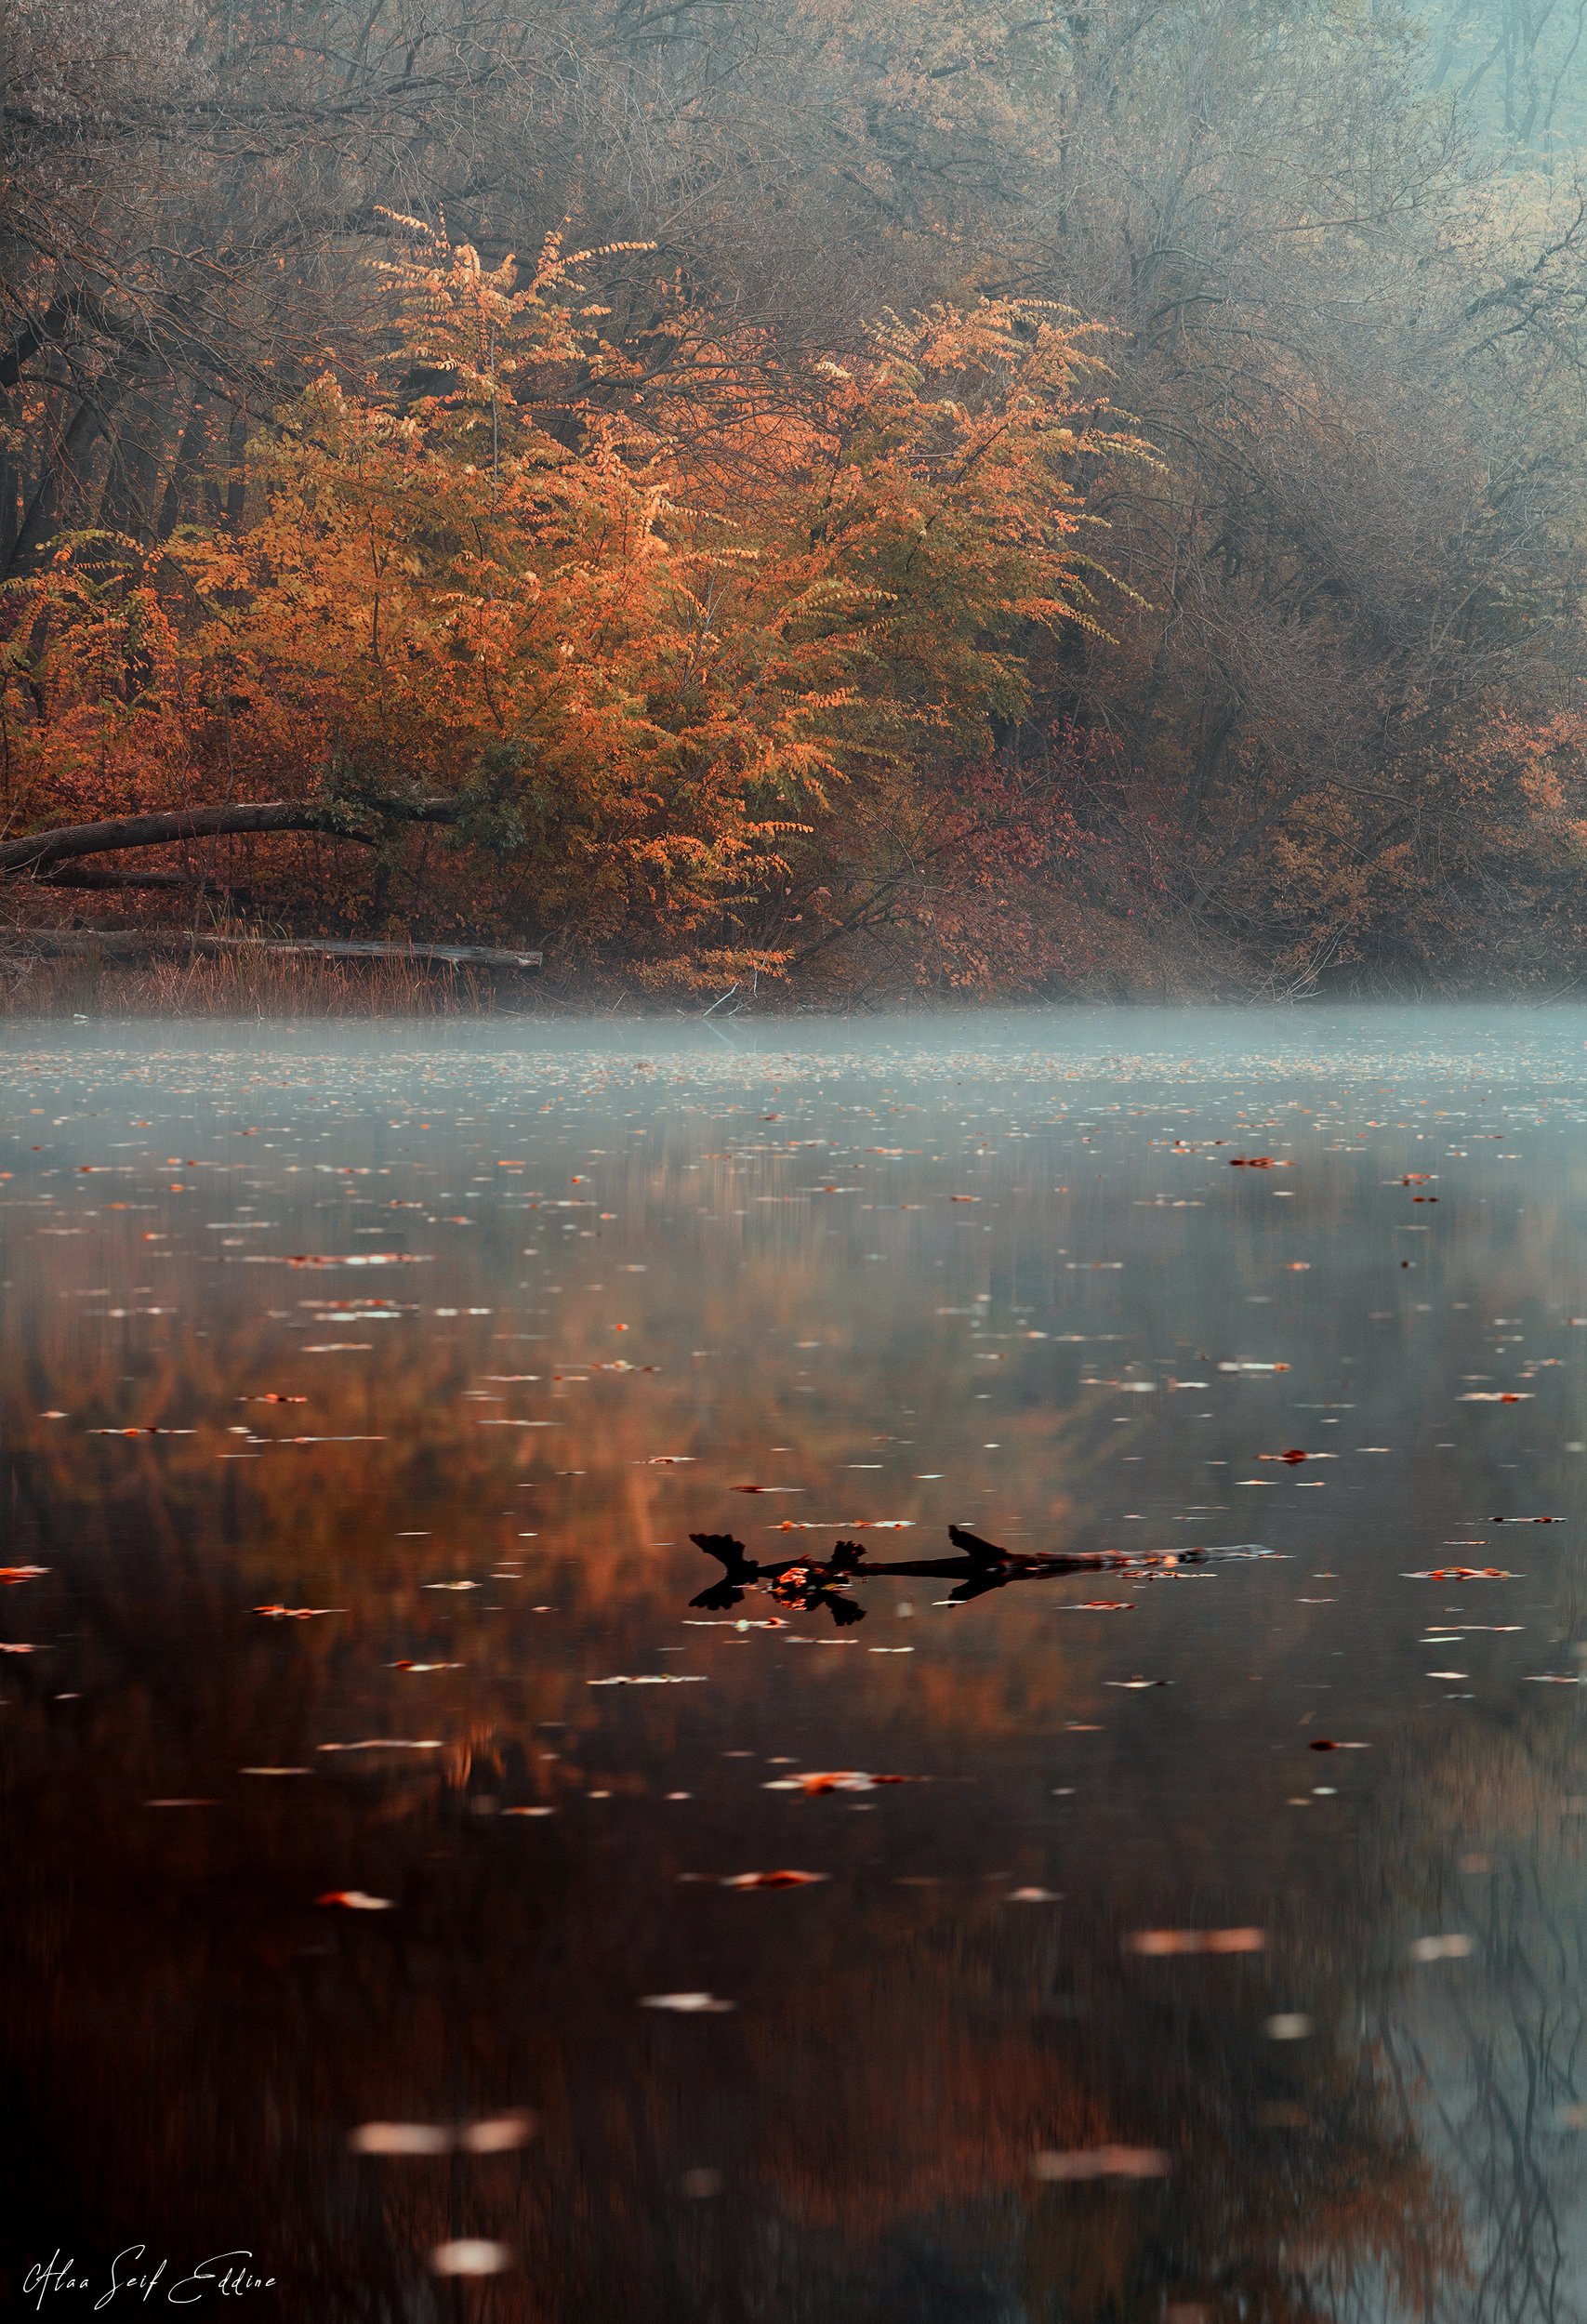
(1000, 1273)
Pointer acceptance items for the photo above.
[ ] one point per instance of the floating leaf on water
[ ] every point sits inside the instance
(354, 1259)
(1464, 1573)
(772, 1879)
(654, 1678)
(1158, 1943)
(498, 2133)
(844, 1525)
(769, 1621)
(355, 1900)
(400, 2138)
(1102, 2162)
(845, 1779)
(141, 1432)
(471, 2256)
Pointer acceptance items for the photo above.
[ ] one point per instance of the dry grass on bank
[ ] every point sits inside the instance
(878, 971)
(261, 985)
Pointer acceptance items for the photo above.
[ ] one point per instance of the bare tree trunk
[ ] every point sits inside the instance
(127, 502)
(185, 465)
(236, 469)
(61, 471)
(10, 485)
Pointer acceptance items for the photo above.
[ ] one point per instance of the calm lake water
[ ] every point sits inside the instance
(359, 1398)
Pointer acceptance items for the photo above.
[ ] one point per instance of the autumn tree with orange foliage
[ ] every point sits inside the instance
(663, 704)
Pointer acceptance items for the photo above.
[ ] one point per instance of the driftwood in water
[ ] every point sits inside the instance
(144, 943)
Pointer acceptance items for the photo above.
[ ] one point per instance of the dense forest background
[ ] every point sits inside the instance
(872, 494)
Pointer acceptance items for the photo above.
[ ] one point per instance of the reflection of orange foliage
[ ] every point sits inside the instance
(898, 2054)
(921, 2100)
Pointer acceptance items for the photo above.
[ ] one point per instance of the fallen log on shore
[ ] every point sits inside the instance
(145, 943)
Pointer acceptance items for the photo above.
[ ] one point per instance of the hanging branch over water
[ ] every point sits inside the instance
(39, 851)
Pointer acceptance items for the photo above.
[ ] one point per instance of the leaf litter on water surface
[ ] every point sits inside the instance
(1101, 2162)
(653, 1678)
(471, 2256)
(845, 1779)
(1464, 1573)
(1162, 1944)
(490, 2135)
(756, 1880)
